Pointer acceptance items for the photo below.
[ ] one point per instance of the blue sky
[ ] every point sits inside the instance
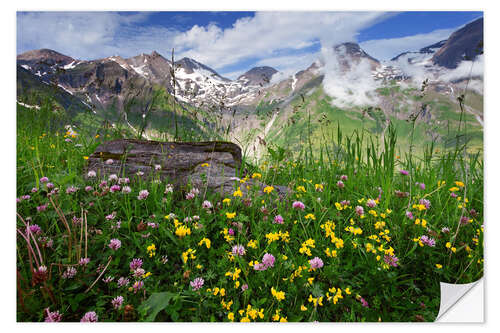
(233, 42)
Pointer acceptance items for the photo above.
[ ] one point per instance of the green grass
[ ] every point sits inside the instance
(347, 146)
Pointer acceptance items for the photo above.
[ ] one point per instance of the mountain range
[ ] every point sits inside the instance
(257, 98)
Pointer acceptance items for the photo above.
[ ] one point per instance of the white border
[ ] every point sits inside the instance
(491, 114)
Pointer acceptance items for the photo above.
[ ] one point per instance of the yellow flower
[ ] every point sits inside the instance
(279, 295)
(272, 236)
(151, 250)
(310, 216)
(301, 189)
(256, 175)
(226, 201)
(230, 316)
(310, 280)
(318, 187)
(146, 275)
(205, 165)
(238, 193)
(347, 291)
(182, 231)
(230, 215)
(458, 183)
(252, 244)
(439, 266)
(283, 320)
(454, 189)
(84, 157)
(303, 308)
(448, 245)
(245, 320)
(268, 189)
(205, 241)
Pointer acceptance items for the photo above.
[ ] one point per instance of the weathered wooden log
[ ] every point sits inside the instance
(212, 165)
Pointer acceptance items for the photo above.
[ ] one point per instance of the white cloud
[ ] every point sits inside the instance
(84, 35)
(465, 69)
(267, 36)
(385, 49)
(353, 86)
(266, 33)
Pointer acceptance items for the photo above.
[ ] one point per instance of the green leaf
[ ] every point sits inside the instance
(155, 303)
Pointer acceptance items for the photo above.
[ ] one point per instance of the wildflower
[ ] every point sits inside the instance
(115, 244)
(206, 204)
(205, 241)
(278, 219)
(310, 216)
(340, 184)
(458, 183)
(69, 273)
(122, 181)
(301, 189)
(135, 263)
(126, 189)
(363, 302)
(256, 175)
(230, 231)
(359, 210)
(391, 260)
(115, 188)
(83, 261)
(371, 203)
(268, 260)
(252, 244)
(123, 281)
(279, 295)
(303, 308)
(421, 185)
(238, 250)
(52, 317)
(109, 161)
(316, 263)
(244, 287)
(230, 215)
(34, 190)
(298, 205)
(404, 172)
(445, 230)
(138, 285)
(428, 241)
(35, 229)
(238, 193)
(71, 189)
(318, 187)
(111, 216)
(117, 302)
(439, 266)
(89, 317)
(268, 189)
(44, 180)
(425, 202)
(226, 201)
(343, 177)
(230, 316)
(151, 250)
(409, 215)
(138, 272)
(108, 279)
(143, 194)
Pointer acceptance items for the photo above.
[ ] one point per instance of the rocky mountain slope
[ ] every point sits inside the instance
(254, 107)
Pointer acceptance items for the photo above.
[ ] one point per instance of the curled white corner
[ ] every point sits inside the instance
(467, 303)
